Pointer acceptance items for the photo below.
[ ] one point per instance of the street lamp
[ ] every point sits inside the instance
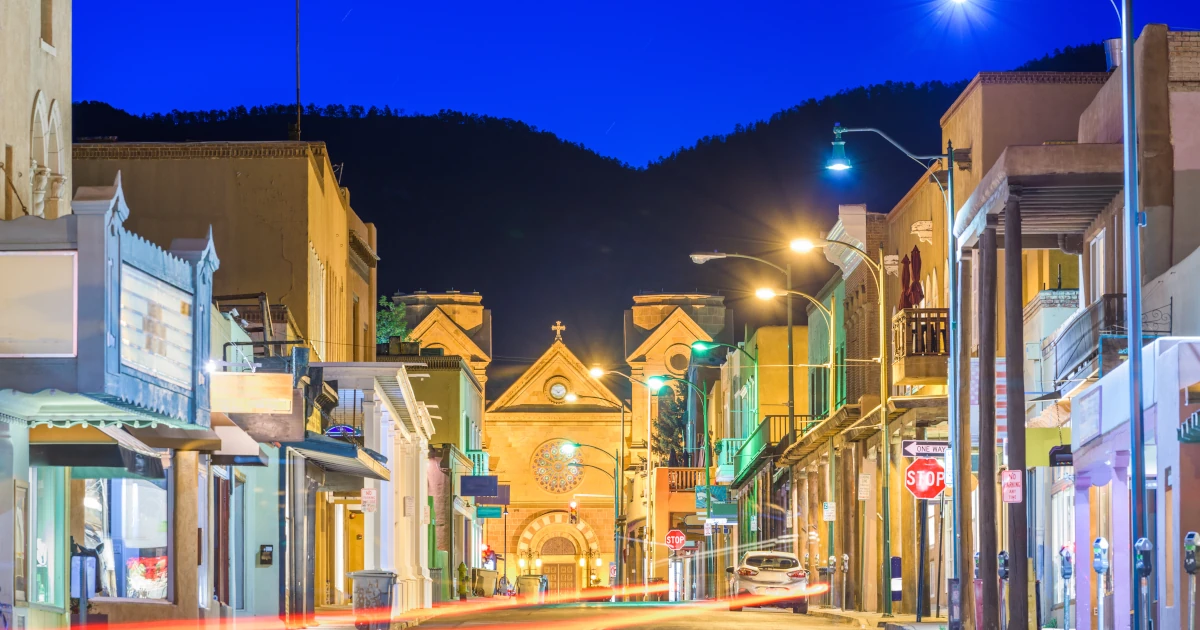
(705, 346)
(802, 246)
(702, 257)
(952, 277)
(830, 319)
(569, 449)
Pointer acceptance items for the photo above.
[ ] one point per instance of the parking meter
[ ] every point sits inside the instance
(1002, 570)
(1190, 542)
(1145, 557)
(1002, 564)
(1100, 566)
(845, 573)
(1066, 560)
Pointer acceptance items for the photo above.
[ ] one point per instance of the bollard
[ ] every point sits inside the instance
(1100, 566)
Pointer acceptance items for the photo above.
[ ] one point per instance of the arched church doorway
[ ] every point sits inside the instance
(558, 556)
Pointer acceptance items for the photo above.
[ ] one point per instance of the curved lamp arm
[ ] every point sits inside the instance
(838, 131)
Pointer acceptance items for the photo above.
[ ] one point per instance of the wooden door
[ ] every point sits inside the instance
(221, 539)
(353, 545)
(561, 578)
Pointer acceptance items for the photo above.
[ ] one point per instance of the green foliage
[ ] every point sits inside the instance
(670, 426)
(389, 321)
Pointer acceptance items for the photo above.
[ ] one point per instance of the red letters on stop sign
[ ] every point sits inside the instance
(925, 478)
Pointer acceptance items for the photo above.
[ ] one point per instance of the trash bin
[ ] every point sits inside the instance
(373, 599)
(531, 586)
(485, 582)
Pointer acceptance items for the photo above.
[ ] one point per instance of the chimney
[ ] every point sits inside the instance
(1112, 53)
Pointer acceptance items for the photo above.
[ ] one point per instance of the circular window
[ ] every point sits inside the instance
(555, 468)
(678, 363)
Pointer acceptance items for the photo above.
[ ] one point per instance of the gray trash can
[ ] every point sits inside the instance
(373, 599)
(530, 587)
(484, 583)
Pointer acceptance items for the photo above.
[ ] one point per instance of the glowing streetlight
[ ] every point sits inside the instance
(571, 397)
(655, 383)
(596, 372)
(766, 294)
(538, 563)
(568, 450)
(702, 257)
(582, 563)
(802, 245)
(838, 161)
(521, 563)
(599, 562)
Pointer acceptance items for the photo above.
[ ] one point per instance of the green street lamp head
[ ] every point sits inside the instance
(839, 161)
(569, 449)
(702, 346)
(655, 383)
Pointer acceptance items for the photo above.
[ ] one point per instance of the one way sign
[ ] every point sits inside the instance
(924, 448)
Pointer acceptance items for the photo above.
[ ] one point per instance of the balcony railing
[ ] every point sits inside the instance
(920, 332)
(479, 461)
(685, 479)
(772, 436)
(727, 449)
(1095, 338)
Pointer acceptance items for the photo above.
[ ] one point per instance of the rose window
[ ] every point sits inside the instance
(556, 468)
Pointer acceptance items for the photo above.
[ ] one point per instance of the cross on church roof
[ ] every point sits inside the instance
(558, 329)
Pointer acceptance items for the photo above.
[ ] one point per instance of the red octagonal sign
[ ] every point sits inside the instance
(675, 540)
(925, 478)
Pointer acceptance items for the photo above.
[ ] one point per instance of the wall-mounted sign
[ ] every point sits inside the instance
(38, 304)
(1086, 414)
(864, 486)
(250, 392)
(829, 511)
(479, 485)
(503, 496)
(410, 506)
(342, 431)
(156, 327)
(489, 511)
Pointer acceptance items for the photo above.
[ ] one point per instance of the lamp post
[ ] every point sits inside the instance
(569, 450)
(705, 346)
(877, 272)
(702, 257)
(830, 320)
(839, 162)
(656, 383)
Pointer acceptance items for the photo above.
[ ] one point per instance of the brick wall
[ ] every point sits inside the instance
(862, 318)
(1183, 49)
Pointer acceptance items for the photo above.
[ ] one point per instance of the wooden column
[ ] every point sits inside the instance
(987, 430)
(962, 483)
(1014, 347)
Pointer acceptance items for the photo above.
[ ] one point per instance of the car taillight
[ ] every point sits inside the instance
(798, 573)
(744, 572)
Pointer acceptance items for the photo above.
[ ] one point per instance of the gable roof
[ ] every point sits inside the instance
(677, 319)
(439, 327)
(558, 360)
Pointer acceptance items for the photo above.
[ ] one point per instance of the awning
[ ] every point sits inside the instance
(340, 458)
(197, 439)
(95, 452)
(63, 409)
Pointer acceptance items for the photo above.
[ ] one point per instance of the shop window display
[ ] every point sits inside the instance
(125, 521)
(47, 532)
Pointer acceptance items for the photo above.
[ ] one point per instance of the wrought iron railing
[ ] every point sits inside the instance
(684, 479)
(1080, 343)
(479, 461)
(920, 332)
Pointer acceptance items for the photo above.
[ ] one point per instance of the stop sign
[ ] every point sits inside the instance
(925, 478)
(675, 540)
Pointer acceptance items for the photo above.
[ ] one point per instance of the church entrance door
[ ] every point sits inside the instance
(561, 578)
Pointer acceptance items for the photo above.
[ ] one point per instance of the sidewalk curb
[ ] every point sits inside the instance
(843, 619)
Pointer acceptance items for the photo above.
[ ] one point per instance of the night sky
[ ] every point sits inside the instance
(632, 80)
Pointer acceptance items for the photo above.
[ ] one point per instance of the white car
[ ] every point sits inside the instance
(773, 574)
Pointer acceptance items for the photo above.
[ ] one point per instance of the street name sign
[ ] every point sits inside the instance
(489, 511)
(1012, 486)
(925, 478)
(675, 540)
(923, 448)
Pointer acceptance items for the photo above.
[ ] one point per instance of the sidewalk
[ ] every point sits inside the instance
(873, 620)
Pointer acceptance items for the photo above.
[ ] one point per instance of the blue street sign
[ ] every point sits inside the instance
(479, 485)
(488, 511)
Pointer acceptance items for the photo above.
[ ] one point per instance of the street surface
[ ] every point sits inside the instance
(659, 616)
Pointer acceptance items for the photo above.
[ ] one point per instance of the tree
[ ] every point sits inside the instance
(390, 321)
(670, 426)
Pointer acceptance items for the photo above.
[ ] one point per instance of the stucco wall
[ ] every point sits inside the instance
(35, 81)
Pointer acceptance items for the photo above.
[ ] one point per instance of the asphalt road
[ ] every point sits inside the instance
(604, 616)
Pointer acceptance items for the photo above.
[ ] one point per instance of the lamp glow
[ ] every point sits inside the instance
(838, 161)
(521, 563)
(210, 366)
(599, 562)
(655, 383)
(802, 245)
(571, 397)
(766, 294)
(538, 563)
(567, 449)
(483, 547)
(596, 372)
(700, 346)
(582, 562)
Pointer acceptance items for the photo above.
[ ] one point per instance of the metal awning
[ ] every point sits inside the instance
(237, 448)
(196, 439)
(62, 409)
(95, 452)
(340, 457)
(1061, 189)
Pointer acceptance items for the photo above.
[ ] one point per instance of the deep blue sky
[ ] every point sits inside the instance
(633, 80)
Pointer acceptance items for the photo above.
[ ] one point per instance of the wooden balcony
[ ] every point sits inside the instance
(685, 479)
(920, 346)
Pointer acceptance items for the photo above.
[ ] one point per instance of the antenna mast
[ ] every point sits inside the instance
(295, 130)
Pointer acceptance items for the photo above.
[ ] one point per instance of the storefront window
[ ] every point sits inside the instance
(125, 521)
(47, 509)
